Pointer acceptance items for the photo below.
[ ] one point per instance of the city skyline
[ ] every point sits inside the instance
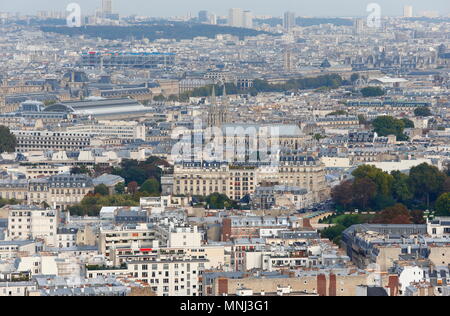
(345, 8)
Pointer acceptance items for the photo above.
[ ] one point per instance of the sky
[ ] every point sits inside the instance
(166, 8)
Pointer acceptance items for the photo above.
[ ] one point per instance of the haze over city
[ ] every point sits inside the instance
(260, 7)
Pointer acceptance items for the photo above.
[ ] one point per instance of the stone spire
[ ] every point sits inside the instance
(213, 96)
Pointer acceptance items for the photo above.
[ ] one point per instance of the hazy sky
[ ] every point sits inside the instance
(270, 7)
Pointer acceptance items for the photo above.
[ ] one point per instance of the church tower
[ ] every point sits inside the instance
(217, 115)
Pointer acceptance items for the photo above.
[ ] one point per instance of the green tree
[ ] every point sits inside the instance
(218, 201)
(338, 113)
(408, 123)
(362, 120)
(400, 188)
(159, 98)
(382, 179)
(423, 111)
(101, 189)
(334, 233)
(443, 205)
(318, 137)
(426, 182)
(151, 187)
(372, 92)
(8, 141)
(4, 202)
(387, 125)
(120, 188)
(79, 170)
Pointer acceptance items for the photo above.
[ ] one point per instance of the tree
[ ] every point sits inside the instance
(92, 204)
(426, 182)
(218, 201)
(342, 194)
(159, 98)
(101, 189)
(387, 125)
(397, 214)
(382, 179)
(363, 191)
(362, 120)
(334, 233)
(318, 137)
(423, 111)
(408, 123)
(132, 187)
(8, 141)
(443, 205)
(400, 188)
(372, 92)
(79, 170)
(418, 217)
(354, 77)
(338, 113)
(446, 188)
(120, 188)
(151, 187)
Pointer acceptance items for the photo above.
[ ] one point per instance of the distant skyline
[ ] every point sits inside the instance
(168, 8)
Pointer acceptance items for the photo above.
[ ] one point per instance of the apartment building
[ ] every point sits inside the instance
(30, 222)
(237, 180)
(381, 245)
(303, 171)
(47, 140)
(267, 197)
(12, 249)
(337, 121)
(142, 236)
(14, 189)
(169, 272)
(236, 227)
(59, 191)
(124, 130)
(201, 178)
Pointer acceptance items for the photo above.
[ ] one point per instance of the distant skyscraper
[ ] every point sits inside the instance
(203, 16)
(358, 26)
(212, 19)
(236, 17)
(107, 6)
(408, 11)
(248, 19)
(289, 21)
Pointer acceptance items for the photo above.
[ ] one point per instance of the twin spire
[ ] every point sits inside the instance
(218, 115)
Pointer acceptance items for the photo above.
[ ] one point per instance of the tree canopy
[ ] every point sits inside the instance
(101, 189)
(8, 141)
(443, 205)
(388, 125)
(151, 187)
(373, 189)
(423, 111)
(372, 92)
(427, 182)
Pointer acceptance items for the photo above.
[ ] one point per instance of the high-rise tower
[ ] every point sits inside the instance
(289, 21)
(106, 7)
